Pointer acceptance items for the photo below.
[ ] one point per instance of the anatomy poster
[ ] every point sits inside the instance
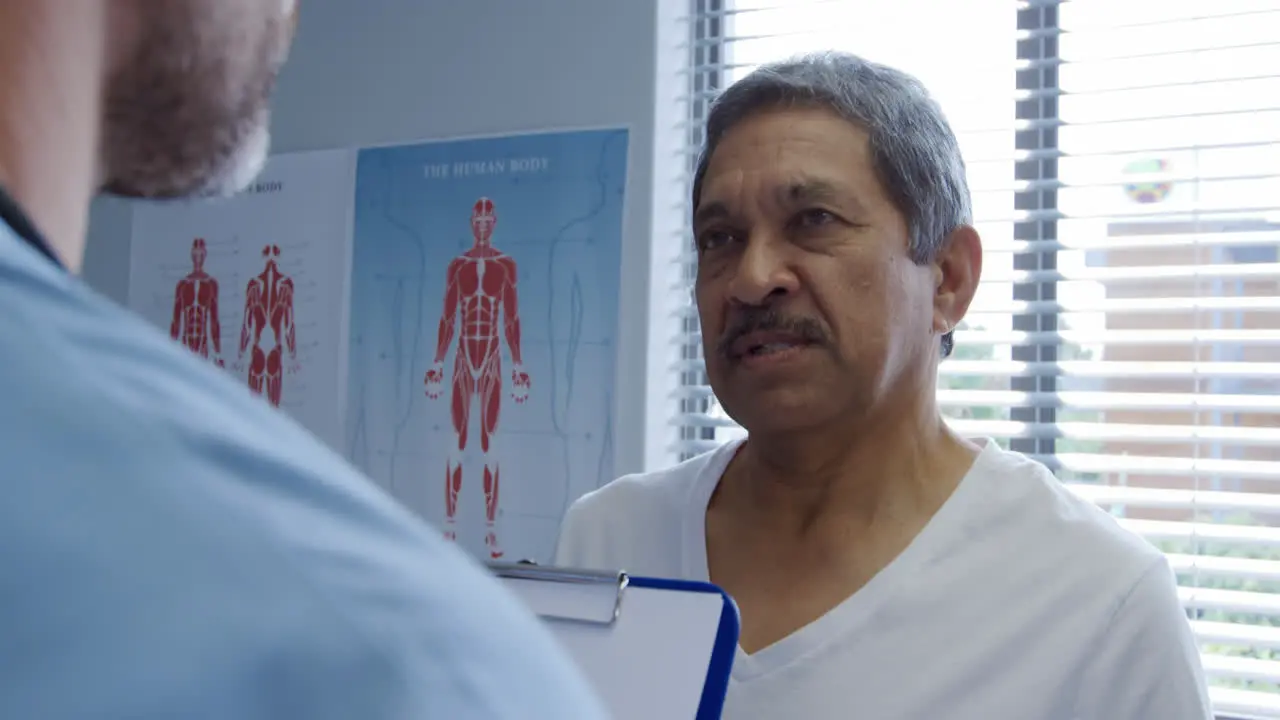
(255, 283)
(484, 314)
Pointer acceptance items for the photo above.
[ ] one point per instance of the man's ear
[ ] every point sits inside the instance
(957, 271)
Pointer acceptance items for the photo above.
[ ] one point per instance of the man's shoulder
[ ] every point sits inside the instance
(638, 521)
(637, 491)
(96, 398)
(170, 516)
(110, 425)
(1055, 519)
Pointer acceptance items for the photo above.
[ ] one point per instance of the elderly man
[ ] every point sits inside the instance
(884, 566)
(171, 546)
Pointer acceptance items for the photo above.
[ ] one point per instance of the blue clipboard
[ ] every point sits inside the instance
(726, 645)
(638, 639)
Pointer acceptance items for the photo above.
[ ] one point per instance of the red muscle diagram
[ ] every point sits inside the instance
(195, 308)
(480, 296)
(268, 305)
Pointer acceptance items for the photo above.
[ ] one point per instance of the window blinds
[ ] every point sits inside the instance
(1124, 157)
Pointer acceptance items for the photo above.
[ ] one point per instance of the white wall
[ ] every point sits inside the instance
(368, 72)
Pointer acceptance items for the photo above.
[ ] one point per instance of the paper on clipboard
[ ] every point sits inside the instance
(652, 649)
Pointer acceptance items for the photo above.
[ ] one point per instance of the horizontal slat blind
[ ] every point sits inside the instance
(1124, 157)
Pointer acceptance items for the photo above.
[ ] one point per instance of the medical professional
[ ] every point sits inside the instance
(170, 545)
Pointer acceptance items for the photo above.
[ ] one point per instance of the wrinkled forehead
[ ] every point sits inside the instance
(786, 156)
(777, 194)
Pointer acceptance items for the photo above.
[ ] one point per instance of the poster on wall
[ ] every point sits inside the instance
(256, 283)
(484, 316)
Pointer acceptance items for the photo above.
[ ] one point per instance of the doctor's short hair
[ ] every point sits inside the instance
(914, 151)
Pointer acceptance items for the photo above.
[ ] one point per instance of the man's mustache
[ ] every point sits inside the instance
(754, 319)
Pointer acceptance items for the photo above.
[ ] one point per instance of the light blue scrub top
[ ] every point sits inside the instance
(172, 547)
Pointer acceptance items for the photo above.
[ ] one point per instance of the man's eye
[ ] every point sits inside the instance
(713, 239)
(814, 218)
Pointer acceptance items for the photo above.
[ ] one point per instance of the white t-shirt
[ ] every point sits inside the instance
(1017, 600)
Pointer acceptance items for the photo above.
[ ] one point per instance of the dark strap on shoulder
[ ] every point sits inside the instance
(13, 216)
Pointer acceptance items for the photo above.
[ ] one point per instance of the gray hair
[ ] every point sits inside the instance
(914, 152)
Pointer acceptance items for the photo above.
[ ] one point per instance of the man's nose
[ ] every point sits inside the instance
(764, 273)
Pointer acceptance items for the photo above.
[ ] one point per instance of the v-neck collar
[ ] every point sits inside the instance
(855, 610)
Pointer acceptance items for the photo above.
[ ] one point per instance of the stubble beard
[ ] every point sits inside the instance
(189, 114)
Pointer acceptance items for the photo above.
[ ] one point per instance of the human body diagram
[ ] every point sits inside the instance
(268, 306)
(195, 308)
(481, 298)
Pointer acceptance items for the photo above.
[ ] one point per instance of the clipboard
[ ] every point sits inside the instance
(653, 648)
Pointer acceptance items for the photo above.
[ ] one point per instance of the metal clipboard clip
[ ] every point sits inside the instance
(581, 596)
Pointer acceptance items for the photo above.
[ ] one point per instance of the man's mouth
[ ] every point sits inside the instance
(759, 344)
